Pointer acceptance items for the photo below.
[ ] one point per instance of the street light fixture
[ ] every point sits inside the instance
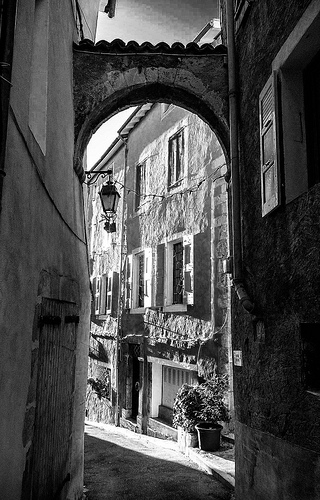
(109, 197)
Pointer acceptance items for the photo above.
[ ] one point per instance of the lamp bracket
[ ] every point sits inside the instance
(98, 173)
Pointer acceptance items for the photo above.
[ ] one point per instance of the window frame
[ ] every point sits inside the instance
(294, 56)
(133, 280)
(188, 267)
(174, 180)
(140, 186)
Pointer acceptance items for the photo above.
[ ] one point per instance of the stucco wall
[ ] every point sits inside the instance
(42, 234)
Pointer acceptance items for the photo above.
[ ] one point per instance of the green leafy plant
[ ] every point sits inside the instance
(201, 403)
(100, 387)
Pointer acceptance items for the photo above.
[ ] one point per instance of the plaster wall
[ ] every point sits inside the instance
(42, 244)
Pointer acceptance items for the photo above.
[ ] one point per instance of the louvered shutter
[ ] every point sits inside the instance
(270, 176)
(103, 292)
(112, 293)
(97, 296)
(147, 277)
(188, 269)
(160, 275)
(128, 301)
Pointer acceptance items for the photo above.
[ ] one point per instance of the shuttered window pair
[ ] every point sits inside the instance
(105, 289)
(173, 276)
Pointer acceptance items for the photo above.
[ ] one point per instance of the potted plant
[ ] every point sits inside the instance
(213, 410)
(185, 407)
(200, 408)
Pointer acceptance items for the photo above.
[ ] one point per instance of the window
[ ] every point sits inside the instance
(174, 274)
(140, 184)
(297, 65)
(138, 280)
(177, 273)
(176, 159)
(106, 289)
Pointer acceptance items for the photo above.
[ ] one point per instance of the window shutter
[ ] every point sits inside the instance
(180, 145)
(171, 163)
(188, 269)
(103, 292)
(160, 275)
(128, 301)
(112, 293)
(270, 175)
(97, 296)
(147, 277)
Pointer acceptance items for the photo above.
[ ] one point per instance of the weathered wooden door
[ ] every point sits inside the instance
(50, 469)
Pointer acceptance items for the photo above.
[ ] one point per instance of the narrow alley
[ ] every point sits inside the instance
(122, 465)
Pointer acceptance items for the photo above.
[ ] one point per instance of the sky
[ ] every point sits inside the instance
(153, 21)
(156, 20)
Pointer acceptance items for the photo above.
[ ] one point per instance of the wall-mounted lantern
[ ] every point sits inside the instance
(109, 197)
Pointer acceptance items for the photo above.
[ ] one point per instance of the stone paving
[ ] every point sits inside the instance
(122, 465)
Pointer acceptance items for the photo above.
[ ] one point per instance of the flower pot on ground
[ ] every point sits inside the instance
(201, 403)
(209, 435)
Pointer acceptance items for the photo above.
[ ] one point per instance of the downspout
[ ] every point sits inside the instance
(7, 21)
(237, 277)
(124, 139)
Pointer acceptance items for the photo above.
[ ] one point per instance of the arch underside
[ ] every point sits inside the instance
(107, 81)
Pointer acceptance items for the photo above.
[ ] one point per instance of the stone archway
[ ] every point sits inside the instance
(109, 77)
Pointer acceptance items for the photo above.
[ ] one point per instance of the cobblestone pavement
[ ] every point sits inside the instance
(122, 465)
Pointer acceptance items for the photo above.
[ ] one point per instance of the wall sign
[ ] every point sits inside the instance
(237, 358)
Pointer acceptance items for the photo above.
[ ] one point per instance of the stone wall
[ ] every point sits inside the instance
(277, 417)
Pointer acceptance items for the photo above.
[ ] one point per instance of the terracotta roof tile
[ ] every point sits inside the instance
(118, 46)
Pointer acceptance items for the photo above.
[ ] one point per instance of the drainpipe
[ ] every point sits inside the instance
(7, 26)
(124, 139)
(237, 276)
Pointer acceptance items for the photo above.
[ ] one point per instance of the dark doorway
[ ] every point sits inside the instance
(135, 380)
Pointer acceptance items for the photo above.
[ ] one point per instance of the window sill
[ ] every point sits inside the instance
(178, 184)
(176, 308)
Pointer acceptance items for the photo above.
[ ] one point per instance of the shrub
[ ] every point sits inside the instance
(201, 403)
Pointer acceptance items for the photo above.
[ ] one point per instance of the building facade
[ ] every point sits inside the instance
(161, 315)
(44, 280)
(277, 382)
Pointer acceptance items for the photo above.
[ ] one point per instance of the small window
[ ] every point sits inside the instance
(138, 280)
(176, 159)
(178, 279)
(140, 265)
(106, 294)
(177, 273)
(140, 184)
